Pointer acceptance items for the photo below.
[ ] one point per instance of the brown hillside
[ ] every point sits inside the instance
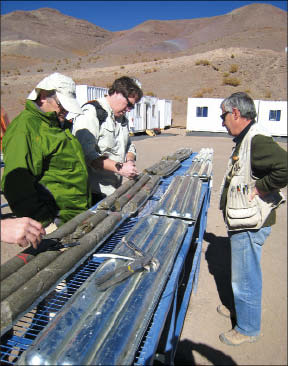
(51, 28)
(256, 25)
(245, 47)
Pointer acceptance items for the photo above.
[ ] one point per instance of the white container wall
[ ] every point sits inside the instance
(85, 93)
(168, 113)
(137, 118)
(145, 115)
(272, 116)
(203, 114)
(165, 113)
(152, 120)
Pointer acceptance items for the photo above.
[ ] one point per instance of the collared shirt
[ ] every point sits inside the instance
(241, 135)
(107, 139)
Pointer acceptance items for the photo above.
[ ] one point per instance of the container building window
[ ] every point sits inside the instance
(202, 112)
(274, 115)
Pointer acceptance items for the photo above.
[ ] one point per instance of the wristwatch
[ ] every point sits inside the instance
(118, 166)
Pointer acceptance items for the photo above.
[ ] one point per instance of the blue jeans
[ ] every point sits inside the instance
(246, 248)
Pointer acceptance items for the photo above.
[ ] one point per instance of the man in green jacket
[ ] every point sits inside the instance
(257, 169)
(45, 175)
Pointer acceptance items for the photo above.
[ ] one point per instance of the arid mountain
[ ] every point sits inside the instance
(256, 25)
(52, 29)
(57, 35)
(209, 57)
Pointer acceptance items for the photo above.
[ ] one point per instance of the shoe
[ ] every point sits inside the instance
(234, 338)
(224, 311)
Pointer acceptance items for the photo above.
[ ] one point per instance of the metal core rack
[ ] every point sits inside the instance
(164, 329)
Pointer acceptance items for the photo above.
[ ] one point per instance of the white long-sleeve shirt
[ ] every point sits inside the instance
(107, 139)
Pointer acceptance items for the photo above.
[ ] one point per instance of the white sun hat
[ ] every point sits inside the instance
(65, 90)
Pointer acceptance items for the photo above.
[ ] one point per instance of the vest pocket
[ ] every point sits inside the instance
(242, 213)
(243, 217)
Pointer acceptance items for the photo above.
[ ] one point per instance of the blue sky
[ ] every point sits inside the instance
(123, 15)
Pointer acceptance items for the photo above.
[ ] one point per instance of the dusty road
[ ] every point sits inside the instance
(199, 343)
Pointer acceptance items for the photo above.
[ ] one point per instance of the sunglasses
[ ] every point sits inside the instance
(223, 116)
(129, 104)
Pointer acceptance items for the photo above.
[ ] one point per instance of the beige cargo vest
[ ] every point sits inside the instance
(241, 212)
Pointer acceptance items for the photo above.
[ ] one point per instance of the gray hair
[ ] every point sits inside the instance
(242, 102)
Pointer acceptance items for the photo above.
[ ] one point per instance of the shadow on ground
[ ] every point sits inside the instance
(218, 257)
(184, 355)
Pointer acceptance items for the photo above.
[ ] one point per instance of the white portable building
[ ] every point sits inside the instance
(203, 114)
(144, 116)
(137, 118)
(85, 93)
(272, 115)
(152, 120)
(164, 113)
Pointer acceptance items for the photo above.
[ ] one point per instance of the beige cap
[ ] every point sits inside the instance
(65, 90)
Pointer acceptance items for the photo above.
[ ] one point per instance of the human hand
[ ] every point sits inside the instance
(131, 162)
(129, 170)
(257, 192)
(22, 231)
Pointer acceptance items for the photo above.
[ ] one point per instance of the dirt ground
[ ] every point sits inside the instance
(199, 343)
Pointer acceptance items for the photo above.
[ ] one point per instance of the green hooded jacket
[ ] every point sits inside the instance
(45, 175)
